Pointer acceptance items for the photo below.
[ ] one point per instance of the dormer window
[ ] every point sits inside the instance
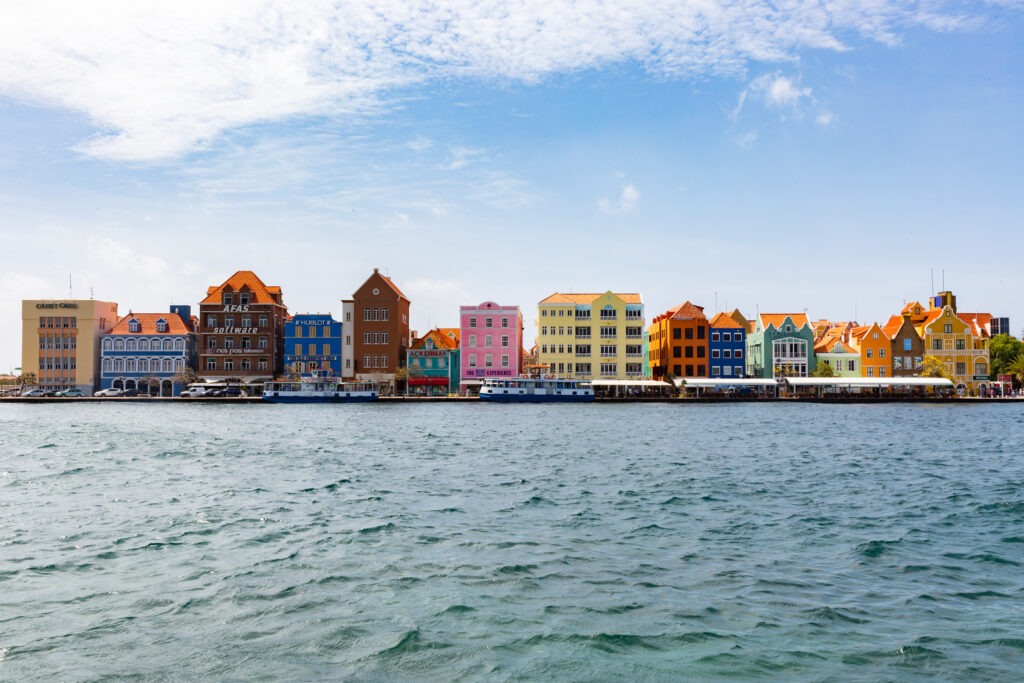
(134, 326)
(225, 298)
(789, 328)
(243, 298)
(161, 325)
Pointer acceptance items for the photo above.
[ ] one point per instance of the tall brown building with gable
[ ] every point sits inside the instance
(241, 330)
(380, 328)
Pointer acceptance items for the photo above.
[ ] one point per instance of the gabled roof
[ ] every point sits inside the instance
(452, 333)
(440, 339)
(892, 327)
(244, 280)
(686, 311)
(980, 323)
(860, 333)
(909, 308)
(147, 324)
(778, 319)
(724, 321)
(391, 283)
(562, 298)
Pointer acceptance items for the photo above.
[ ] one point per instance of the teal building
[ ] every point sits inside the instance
(781, 345)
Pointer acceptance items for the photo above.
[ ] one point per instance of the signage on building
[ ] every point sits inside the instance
(1002, 378)
(980, 378)
(223, 351)
(292, 359)
(427, 353)
(489, 372)
(62, 304)
(313, 321)
(234, 330)
(236, 309)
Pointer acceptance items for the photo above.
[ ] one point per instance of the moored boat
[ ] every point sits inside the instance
(318, 390)
(536, 390)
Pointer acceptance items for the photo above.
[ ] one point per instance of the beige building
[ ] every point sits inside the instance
(60, 341)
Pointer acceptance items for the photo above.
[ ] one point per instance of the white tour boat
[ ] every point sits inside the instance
(536, 390)
(318, 389)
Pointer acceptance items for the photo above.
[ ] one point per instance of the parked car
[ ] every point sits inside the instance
(34, 393)
(71, 393)
(129, 392)
(49, 394)
(195, 391)
(229, 392)
(109, 392)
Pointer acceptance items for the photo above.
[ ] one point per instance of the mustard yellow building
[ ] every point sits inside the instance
(956, 339)
(60, 341)
(591, 336)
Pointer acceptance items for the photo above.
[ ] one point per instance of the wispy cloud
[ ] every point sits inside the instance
(779, 91)
(627, 200)
(161, 80)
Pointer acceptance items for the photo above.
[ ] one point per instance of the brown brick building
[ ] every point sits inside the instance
(241, 330)
(380, 328)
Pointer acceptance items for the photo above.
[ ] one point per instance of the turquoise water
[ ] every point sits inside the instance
(437, 542)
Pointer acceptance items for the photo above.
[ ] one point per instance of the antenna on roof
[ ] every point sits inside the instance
(70, 293)
(716, 302)
(932, 290)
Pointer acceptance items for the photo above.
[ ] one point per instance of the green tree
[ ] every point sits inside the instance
(185, 377)
(1016, 368)
(28, 378)
(823, 370)
(1003, 350)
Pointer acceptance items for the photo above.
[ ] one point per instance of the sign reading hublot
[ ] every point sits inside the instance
(62, 304)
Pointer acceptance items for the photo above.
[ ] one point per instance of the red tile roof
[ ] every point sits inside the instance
(560, 298)
(892, 327)
(241, 281)
(725, 322)
(439, 337)
(147, 324)
(687, 311)
(777, 319)
(393, 286)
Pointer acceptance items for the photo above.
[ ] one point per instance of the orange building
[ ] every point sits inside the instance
(678, 343)
(875, 348)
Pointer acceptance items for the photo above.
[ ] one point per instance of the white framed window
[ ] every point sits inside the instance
(738, 353)
(488, 322)
(715, 353)
(488, 360)
(384, 313)
(504, 322)
(504, 340)
(366, 361)
(737, 370)
(716, 371)
(504, 360)
(472, 360)
(211, 363)
(715, 336)
(870, 372)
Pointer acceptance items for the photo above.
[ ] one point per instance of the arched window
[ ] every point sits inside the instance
(143, 365)
(981, 368)
(119, 345)
(179, 364)
(168, 365)
(179, 344)
(129, 365)
(130, 345)
(143, 345)
(118, 365)
(108, 344)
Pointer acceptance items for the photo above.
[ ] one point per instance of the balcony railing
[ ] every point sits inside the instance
(583, 355)
(583, 336)
(608, 355)
(638, 354)
(605, 335)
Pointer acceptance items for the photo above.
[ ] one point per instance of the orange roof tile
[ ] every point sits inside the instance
(777, 319)
(686, 311)
(243, 279)
(892, 327)
(394, 287)
(562, 298)
(909, 308)
(440, 339)
(726, 322)
(147, 324)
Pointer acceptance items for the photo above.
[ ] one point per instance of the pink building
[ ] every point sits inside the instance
(490, 343)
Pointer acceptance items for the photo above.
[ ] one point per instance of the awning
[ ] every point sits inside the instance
(874, 382)
(629, 383)
(470, 382)
(719, 382)
(428, 381)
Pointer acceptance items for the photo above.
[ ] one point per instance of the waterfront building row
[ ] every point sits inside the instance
(243, 333)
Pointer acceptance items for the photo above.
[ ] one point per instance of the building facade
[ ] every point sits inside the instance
(241, 330)
(490, 342)
(591, 336)
(875, 348)
(960, 345)
(313, 342)
(907, 345)
(148, 351)
(380, 331)
(60, 341)
(780, 345)
(679, 343)
(727, 347)
(432, 364)
(838, 355)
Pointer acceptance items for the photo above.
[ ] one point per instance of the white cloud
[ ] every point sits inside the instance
(778, 91)
(160, 80)
(625, 203)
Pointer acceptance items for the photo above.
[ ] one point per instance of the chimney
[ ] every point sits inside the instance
(376, 270)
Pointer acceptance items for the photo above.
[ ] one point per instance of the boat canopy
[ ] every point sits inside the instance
(716, 382)
(628, 383)
(873, 382)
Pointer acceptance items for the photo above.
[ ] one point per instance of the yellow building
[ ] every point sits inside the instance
(592, 336)
(60, 341)
(960, 344)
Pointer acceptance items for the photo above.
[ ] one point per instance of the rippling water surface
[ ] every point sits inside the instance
(511, 542)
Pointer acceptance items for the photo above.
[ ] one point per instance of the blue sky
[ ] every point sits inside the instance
(825, 155)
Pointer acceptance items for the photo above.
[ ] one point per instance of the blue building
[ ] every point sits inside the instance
(144, 351)
(727, 346)
(312, 341)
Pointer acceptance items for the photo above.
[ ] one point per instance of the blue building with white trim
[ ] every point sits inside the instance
(144, 351)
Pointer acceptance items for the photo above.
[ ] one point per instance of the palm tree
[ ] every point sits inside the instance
(1016, 368)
